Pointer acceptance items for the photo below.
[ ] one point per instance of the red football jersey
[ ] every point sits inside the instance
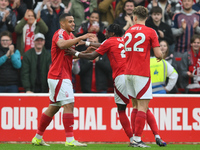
(114, 47)
(138, 41)
(61, 67)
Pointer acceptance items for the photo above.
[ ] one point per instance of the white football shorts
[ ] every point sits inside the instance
(61, 92)
(120, 91)
(139, 87)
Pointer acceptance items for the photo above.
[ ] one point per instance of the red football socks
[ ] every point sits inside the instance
(133, 116)
(139, 123)
(125, 123)
(152, 122)
(68, 122)
(44, 122)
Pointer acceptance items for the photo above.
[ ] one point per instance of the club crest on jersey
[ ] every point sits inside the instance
(66, 94)
(60, 36)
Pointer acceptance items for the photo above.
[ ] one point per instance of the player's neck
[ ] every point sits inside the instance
(140, 22)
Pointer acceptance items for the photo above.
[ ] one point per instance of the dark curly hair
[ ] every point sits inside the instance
(116, 29)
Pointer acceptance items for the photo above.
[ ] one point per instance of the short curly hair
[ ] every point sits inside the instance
(141, 12)
(116, 29)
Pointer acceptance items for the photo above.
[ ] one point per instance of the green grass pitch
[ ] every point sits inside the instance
(110, 146)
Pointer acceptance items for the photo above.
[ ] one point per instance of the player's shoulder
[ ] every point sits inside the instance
(113, 40)
(61, 31)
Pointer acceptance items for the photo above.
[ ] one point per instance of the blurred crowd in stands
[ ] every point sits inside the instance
(27, 27)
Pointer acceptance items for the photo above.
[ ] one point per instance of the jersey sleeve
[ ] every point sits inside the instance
(104, 47)
(59, 35)
(154, 39)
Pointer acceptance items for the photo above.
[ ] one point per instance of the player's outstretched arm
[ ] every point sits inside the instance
(90, 56)
(158, 53)
(64, 44)
(86, 43)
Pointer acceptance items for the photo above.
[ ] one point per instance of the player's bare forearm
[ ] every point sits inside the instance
(158, 53)
(89, 56)
(95, 44)
(64, 44)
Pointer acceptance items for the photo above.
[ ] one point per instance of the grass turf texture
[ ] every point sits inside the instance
(8, 146)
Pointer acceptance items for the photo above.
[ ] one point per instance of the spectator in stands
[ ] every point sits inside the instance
(164, 47)
(94, 74)
(93, 25)
(42, 5)
(35, 67)
(141, 3)
(51, 18)
(190, 66)
(163, 30)
(7, 17)
(27, 28)
(169, 8)
(18, 7)
(185, 24)
(126, 19)
(10, 62)
(196, 7)
(107, 10)
(119, 9)
(84, 8)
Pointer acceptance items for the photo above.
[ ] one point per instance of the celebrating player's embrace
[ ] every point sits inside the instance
(129, 58)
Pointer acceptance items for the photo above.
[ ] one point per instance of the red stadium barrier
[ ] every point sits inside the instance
(96, 119)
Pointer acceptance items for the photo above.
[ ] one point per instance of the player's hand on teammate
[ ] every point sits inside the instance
(81, 42)
(90, 49)
(70, 51)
